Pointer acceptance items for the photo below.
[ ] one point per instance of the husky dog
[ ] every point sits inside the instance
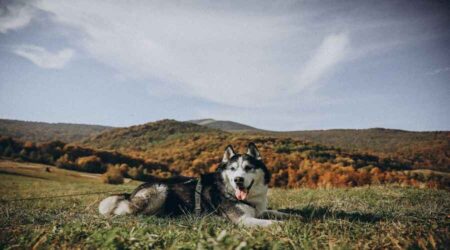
(237, 191)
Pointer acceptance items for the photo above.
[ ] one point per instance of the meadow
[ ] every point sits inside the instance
(369, 217)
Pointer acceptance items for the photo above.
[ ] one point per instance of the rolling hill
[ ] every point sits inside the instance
(374, 139)
(168, 147)
(44, 132)
(418, 149)
(192, 149)
(145, 136)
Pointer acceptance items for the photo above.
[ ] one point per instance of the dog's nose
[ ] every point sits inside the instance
(239, 180)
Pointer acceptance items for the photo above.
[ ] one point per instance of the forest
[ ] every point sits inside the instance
(169, 147)
(429, 150)
(420, 150)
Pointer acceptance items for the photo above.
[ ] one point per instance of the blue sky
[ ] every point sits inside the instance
(280, 65)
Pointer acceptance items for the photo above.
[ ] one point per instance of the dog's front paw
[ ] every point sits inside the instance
(254, 222)
(273, 223)
(277, 225)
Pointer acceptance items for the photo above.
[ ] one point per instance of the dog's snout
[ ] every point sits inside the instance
(239, 180)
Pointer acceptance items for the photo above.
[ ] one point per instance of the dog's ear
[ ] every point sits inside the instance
(229, 153)
(253, 151)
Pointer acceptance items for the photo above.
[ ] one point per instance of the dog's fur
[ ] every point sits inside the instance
(237, 191)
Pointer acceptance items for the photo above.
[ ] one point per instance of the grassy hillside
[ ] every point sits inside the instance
(368, 217)
(44, 132)
(376, 139)
(143, 137)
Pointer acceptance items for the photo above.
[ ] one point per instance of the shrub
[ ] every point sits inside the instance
(112, 175)
(91, 164)
(283, 149)
(123, 168)
(136, 173)
(64, 162)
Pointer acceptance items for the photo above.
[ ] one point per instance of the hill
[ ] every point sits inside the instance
(229, 126)
(419, 149)
(146, 136)
(373, 139)
(45, 132)
(192, 149)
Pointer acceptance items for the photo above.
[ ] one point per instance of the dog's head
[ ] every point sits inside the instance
(244, 174)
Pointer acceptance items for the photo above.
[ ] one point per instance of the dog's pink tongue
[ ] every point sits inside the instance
(241, 194)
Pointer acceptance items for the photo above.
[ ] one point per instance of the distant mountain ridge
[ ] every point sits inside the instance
(44, 131)
(229, 126)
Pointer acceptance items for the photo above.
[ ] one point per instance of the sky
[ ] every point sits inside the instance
(278, 65)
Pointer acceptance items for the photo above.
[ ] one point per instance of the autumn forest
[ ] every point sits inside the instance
(166, 148)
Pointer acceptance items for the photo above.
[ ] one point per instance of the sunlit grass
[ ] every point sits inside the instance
(365, 217)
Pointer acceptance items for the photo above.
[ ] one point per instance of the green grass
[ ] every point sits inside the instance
(366, 217)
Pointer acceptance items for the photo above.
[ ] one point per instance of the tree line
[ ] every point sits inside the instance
(293, 163)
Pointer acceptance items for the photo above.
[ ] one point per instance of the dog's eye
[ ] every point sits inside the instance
(248, 168)
(232, 168)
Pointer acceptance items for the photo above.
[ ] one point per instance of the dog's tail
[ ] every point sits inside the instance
(115, 205)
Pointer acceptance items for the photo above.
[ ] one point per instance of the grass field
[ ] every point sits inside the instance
(367, 217)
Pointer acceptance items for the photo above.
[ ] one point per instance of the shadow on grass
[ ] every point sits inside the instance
(310, 213)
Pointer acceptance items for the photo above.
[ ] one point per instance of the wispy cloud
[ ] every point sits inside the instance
(331, 51)
(199, 51)
(226, 52)
(261, 62)
(15, 16)
(44, 58)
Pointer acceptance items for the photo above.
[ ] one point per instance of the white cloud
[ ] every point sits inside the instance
(43, 58)
(216, 54)
(330, 52)
(274, 62)
(223, 53)
(15, 16)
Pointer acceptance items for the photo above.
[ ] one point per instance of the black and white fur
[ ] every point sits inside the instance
(176, 196)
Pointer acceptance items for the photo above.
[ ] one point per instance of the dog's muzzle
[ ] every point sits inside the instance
(239, 182)
(242, 191)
